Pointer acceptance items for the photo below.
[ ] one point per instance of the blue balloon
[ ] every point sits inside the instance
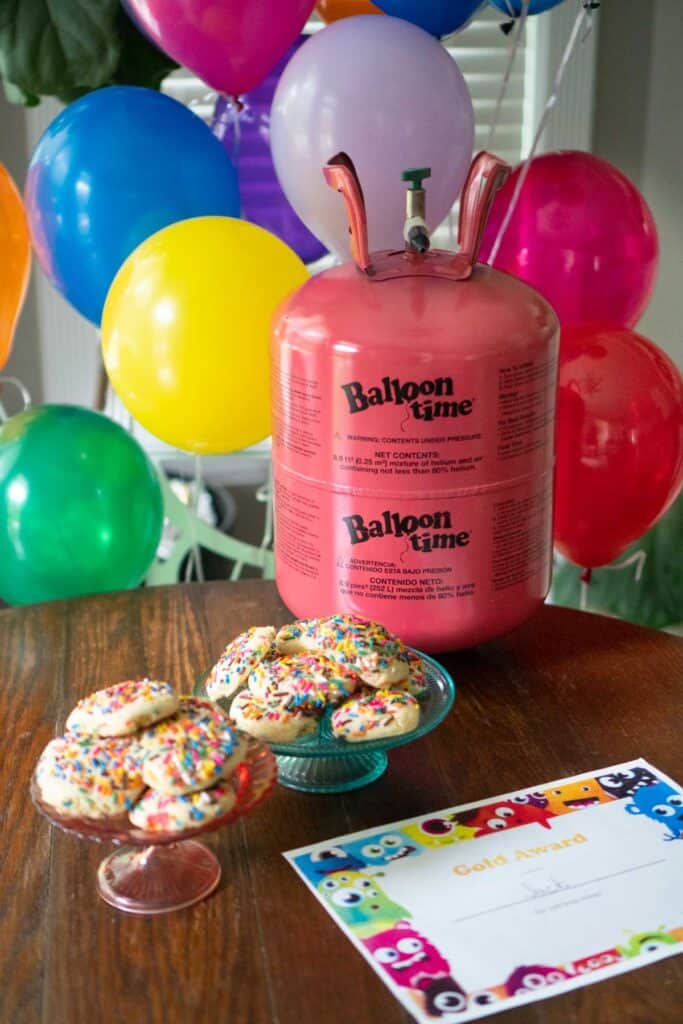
(513, 8)
(439, 17)
(112, 169)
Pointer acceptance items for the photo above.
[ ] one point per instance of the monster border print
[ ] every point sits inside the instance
(346, 875)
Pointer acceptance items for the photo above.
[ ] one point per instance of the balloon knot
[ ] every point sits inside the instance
(591, 5)
(507, 27)
(238, 103)
(586, 576)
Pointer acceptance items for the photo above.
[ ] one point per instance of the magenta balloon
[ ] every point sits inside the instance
(231, 45)
(582, 235)
(389, 95)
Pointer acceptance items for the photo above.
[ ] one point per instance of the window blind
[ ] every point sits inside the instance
(481, 51)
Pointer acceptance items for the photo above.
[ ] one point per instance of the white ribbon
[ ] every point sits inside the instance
(196, 552)
(580, 31)
(638, 558)
(512, 53)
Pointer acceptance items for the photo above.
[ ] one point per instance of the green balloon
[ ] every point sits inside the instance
(81, 509)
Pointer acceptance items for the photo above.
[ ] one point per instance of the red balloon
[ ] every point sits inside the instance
(582, 235)
(619, 441)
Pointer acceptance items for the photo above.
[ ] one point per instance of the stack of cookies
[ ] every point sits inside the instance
(139, 749)
(281, 682)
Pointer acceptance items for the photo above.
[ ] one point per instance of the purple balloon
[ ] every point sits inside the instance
(391, 97)
(246, 138)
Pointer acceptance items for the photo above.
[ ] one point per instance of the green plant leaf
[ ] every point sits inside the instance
(58, 47)
(65, 48)
(655, 600)
(140, 62)
(16, 95)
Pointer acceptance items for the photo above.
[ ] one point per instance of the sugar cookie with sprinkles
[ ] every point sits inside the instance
(89, 776)
(298, 637)
(269, 720)
(417, 682)
(365, 646)
(191, 711)
(238, 659)
(305, 681)
(379, 714)
(122, 709)
(161, 812)
(200, 757)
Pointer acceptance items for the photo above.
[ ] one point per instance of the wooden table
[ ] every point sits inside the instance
(563, 694)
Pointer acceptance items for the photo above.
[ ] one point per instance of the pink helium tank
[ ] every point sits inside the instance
(414, 406)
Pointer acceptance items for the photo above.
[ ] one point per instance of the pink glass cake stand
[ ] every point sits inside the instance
(156, 872)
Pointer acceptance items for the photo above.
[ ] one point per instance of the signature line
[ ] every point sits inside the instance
(567, 888)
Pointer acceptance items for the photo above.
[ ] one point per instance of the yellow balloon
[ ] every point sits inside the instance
(186, 331)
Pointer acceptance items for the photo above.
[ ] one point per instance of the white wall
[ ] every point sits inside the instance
(25, 359)
(56, 351)
(639, 128)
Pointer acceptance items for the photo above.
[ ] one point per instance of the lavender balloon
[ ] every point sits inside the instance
(246, 138)
(389, 95)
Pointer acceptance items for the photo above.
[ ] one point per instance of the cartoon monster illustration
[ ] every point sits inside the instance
(647, 942)
(444, 997)
(408, 958)
(486, 996)
(661, 802)
(360, 903)
(438, 831)
(593, 962)
(528, 979)
(573, 796)
(625, 782)
(503, 814)
(536, 799)
(378, 850)
(318, 865)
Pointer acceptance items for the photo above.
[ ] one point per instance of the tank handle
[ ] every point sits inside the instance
(341, 175)
(486, 175)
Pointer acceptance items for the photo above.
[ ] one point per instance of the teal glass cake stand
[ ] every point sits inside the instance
(321, 763)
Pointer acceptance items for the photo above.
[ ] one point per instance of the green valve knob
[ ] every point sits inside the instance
(415, 176)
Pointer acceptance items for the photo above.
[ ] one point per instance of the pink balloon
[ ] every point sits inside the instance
(390, 96)
(582, 235)
(231, 45)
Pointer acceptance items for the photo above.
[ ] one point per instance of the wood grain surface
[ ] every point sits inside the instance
(563, 694)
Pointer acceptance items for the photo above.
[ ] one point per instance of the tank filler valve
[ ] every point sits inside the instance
(415, 230)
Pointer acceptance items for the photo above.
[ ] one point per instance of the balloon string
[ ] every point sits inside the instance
(196, 558)
(238, 137)
(264, 494)
(514, 46)
(229, 116)
(638, 558)
(23, 391)
(581, 23)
